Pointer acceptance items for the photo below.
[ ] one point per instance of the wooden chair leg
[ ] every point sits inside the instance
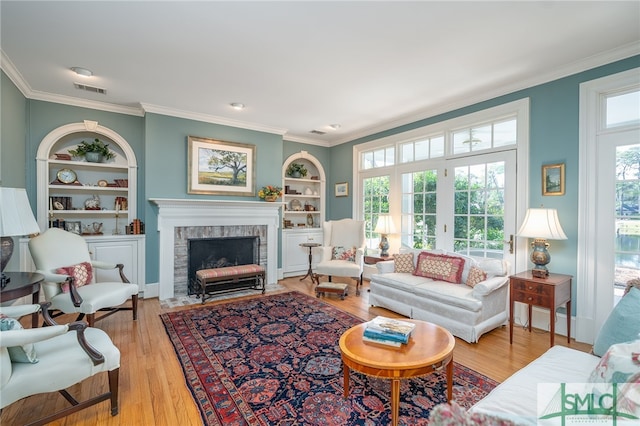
(134, 306)
(113, 388)
(91, 319)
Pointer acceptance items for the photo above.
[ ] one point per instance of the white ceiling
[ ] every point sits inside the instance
(300, 66)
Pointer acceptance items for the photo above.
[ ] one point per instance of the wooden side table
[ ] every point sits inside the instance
(23, 284)
(549, 293)
(310, 246)
(372, 260)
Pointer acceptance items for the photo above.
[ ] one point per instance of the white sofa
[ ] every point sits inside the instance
(516, 399)
(465, 311)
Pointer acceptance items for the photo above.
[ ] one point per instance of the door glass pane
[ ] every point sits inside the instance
(419, 209)
(376, 201)
(479, 209)
(627, 247)
(623, 110)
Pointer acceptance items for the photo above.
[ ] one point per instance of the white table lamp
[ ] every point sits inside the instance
(16, 219)
(384, 227)
(541, 225)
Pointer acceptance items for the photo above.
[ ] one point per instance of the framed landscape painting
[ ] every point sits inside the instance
(221, 168)
(553, 179)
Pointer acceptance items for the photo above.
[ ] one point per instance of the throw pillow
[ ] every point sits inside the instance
(452, 414)
(342, 253)
(619, 364)
(403, 262)
(82, 274)
(622, 325)
(440, 267)
(476, 275)
(25, 353)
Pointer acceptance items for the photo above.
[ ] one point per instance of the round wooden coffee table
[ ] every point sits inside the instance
(430, 349)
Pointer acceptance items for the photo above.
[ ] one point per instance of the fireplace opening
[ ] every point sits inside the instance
(209, 253)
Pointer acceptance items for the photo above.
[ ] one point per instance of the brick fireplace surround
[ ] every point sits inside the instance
(213, 218)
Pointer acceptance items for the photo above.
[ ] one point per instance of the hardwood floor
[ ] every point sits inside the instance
(152, 386)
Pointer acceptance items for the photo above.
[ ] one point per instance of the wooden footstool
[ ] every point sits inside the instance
(326, 287)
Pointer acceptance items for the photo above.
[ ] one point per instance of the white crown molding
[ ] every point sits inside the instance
(157, 109)
(595, 61)
(307, 141)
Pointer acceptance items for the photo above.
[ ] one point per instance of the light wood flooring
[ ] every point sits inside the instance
(152, 386)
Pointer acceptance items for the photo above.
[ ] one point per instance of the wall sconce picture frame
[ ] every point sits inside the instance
(74, 227)
(342, 189)
(553, 179)
(221, 168)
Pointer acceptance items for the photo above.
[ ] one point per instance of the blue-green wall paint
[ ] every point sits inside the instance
(166, 166)
(13, 135)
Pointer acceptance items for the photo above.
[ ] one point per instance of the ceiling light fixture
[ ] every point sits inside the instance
(335, 126)
(237, 105)
(82, 71)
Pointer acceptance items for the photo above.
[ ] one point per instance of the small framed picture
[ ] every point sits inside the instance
(75, 227)
(342, 189)
(553, 179)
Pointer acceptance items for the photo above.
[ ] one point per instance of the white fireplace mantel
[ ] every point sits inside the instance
(197, 212)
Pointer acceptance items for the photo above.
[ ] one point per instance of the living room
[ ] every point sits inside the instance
(159, 135)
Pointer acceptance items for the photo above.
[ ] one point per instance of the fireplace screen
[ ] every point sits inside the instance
(209, 253)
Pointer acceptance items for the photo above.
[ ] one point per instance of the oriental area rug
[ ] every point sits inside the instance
(275, 360)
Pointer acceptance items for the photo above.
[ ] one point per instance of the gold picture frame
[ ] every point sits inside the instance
(221, 168)
(342, 189)
(553, 179)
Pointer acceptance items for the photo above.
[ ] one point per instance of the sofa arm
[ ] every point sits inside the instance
(386, 266)
(488, 286)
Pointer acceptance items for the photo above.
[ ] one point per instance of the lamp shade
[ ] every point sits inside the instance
(16, 217)
(542, 223)
(385, 225)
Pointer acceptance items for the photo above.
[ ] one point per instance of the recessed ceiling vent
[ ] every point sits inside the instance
(90, 88)
(318, 132)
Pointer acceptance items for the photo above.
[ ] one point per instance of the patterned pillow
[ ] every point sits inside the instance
(341, 253)
(476, 275)
(452, 414)
(440, 267)
(82, 274)
(403, 262)
(25, 353)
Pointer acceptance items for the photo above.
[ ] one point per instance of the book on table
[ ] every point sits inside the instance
(385, 342)
(390, 329)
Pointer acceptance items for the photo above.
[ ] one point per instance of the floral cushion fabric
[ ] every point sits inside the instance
(343, 253)
(403, 262)
(82, 274)
(476, 275)
(440, 267)
(25, 353)
(454, 415)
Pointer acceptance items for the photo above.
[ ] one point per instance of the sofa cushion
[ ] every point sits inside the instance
(451, 414)
(416, 253)
(440, 267)
(494, 267)
(620, 364)
(403, 262)
(448, 294)
(622, 325)
(476, 275)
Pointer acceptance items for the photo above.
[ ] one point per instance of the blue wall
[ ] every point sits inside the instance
(13, 130)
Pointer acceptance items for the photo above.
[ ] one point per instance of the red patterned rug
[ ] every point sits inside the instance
(275, 360)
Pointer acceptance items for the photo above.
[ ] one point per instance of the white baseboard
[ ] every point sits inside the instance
(151, 290)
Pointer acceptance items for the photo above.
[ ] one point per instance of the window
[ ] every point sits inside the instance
(452, 185)
(623, 109)
(419, 198)
(375, 201)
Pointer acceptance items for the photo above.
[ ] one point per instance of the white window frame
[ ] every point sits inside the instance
(591, 125)
(519, 108)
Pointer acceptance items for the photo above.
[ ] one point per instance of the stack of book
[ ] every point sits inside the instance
(388, 331)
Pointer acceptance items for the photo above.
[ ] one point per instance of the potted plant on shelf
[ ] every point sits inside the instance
(296, 170)
(270, 193)
(94, 152)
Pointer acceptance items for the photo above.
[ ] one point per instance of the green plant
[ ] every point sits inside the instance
(270, 190)
(96, 146)
(297, 167)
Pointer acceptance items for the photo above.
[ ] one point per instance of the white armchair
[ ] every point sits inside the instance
(56, 249)
(67, 354)
(348, 234)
